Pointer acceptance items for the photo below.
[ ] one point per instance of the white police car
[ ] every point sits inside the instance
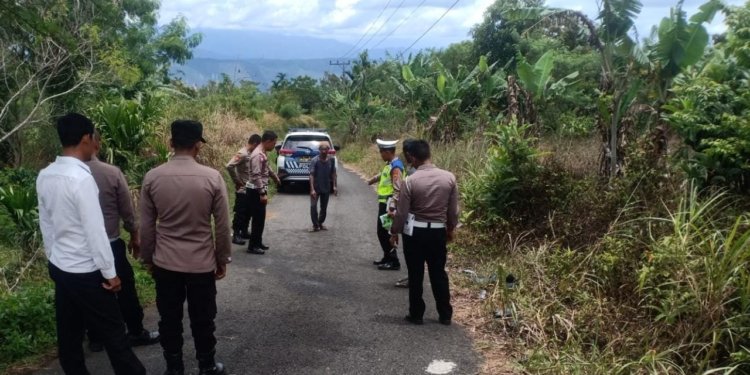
(299, 147)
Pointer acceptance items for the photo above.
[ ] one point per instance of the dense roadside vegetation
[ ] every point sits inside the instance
(608, 174)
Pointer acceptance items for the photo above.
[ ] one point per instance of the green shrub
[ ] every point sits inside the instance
(18, 203)
(571, 125)
(713, 120)
(27, 322)
(289, 111)
(668, 294)
(505, 188)
(127, 127)
(18, 177)
(21, 205)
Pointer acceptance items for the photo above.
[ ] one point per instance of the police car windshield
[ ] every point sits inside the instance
(310, 143)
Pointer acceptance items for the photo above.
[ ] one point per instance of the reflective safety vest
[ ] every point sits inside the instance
(385, 186)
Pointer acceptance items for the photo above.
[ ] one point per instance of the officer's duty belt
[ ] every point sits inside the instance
(425, 225)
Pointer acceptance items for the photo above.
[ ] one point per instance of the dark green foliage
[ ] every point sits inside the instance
(27, 322)
(289, 111)
(242, 98)
(126, 127)
(71, 42)
(711, 112)
(130, 139)
(508, 186)
(713, 119)
(498, 36)
(18, 204)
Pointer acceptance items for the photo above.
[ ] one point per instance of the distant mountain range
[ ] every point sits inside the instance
(199, 71)
(259, 56)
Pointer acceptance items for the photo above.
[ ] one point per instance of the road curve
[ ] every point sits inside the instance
(315, 304)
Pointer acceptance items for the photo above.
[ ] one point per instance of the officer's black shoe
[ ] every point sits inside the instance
(216, 369)
(237, 239)
(144, 338)
(264, 247)
(390, 266)
(412, 320)
(208, 366)
(403, 283)
(379, 262)
(445, 322)
(255, 250)
(174, 364)
(96, 346)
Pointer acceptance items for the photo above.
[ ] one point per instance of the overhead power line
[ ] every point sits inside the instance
(403, 21)
(354, 47)
(429, 29)
(383, 25)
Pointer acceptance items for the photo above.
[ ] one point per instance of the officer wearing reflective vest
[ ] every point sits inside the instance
(389, 183)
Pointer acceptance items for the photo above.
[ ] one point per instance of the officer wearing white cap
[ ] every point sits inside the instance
(389, 182)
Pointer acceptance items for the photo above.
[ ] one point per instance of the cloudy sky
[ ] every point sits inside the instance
(349, 20)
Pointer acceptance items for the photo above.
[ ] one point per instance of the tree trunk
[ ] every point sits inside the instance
(514, 110)
(613, 142)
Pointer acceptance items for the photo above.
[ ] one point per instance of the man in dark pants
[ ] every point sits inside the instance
(427, 214)
(80, 257)
(239, 171)
(257, 192)
(114, 198)
(322, 184)
(189, 248)
(404, 283)
(389, 181)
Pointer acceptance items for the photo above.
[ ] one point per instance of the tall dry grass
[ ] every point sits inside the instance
(458, 157)
(226, 133)
(578, 156)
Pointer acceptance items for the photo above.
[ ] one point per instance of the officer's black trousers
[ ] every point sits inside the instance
(81, 302)
(258, 215)
(389, 253)
(427, 246)
(127, 297)
(319, 218)
(172, 289)
(241, 213)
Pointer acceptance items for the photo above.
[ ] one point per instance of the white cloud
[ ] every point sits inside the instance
(343, 11)
(347, 20)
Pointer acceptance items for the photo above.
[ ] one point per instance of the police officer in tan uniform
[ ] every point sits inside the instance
(185, 241)
(239, 170)
(427, 215)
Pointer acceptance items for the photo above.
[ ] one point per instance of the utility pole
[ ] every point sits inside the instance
(342, 63)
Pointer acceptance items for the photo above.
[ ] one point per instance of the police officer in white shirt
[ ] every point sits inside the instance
(80, 257)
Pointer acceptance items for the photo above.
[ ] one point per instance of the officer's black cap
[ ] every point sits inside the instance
(187, 132)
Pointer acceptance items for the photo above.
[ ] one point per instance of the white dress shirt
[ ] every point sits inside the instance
(71, 219)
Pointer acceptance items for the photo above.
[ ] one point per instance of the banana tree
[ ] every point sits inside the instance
(680, 43)
(451, 92)
(492, 86)
(610, 36)
(539, 85)
(675, 45)
(411, 89)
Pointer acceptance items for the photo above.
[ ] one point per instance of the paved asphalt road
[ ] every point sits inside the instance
(315, 304)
